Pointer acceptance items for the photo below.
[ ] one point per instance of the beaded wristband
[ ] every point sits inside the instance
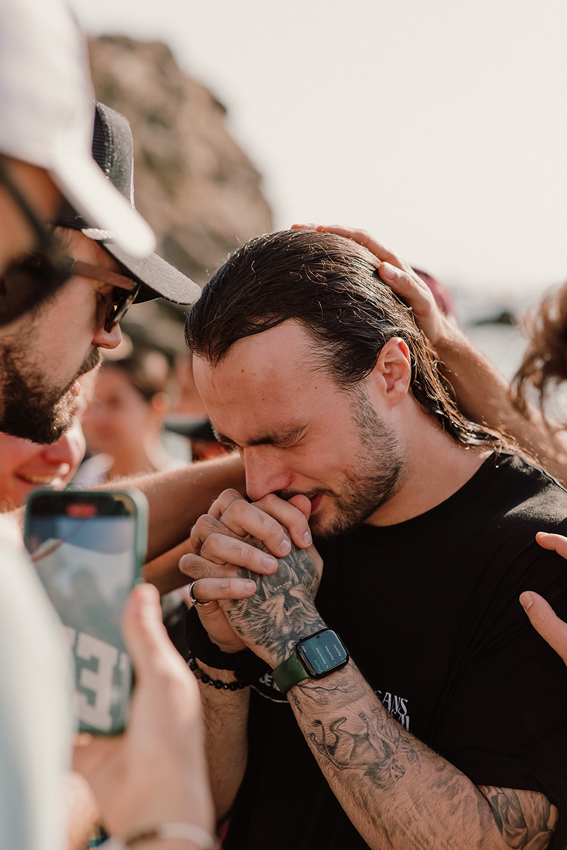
(247, 667)
(215, 683)
(188, 831)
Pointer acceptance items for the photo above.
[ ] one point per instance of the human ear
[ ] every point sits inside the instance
(393, 370)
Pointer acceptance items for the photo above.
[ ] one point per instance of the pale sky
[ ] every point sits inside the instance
(439, 125)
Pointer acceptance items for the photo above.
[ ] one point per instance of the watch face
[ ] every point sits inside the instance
(322, 653)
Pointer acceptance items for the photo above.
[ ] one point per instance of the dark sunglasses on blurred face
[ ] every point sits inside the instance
(28, 281)
(124, 289)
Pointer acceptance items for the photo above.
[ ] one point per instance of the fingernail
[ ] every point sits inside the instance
(526, 601)
(388, 271)
(307, 539)
(250, 585)
(270, 564)
(285, 546)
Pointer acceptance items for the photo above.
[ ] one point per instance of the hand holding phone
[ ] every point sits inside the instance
(156, 772)
(88, 548)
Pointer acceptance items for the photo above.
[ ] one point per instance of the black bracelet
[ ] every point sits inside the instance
(247, 667)
(215, 683)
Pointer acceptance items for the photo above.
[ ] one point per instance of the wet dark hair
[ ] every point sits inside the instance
(544, 364)
(331, 286)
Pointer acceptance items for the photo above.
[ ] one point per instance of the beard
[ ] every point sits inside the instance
(378, 469)
(32, 408)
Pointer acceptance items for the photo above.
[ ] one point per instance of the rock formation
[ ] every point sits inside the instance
(193, 183)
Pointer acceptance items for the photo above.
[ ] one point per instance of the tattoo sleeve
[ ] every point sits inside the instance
(397, 792)
(282, 610)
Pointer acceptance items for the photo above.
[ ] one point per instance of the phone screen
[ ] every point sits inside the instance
(84, 549)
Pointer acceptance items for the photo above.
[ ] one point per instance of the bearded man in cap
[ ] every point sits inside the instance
(61, 301)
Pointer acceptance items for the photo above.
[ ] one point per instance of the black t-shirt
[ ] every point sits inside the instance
(429, 610)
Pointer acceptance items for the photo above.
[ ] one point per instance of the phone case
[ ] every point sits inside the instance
(88, 560)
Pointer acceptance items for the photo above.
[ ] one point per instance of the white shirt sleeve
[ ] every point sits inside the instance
(35, 721)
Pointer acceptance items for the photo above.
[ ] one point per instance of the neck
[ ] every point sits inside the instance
(436, 467)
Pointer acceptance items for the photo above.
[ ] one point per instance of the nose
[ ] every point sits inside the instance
(266, 471)
(104, 339)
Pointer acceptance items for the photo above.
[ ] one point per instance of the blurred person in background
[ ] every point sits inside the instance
(124, 422)
(188, 403)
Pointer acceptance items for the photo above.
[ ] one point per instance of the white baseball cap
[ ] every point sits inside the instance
(47, 115)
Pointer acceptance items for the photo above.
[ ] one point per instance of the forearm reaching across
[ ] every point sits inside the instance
(178, 498)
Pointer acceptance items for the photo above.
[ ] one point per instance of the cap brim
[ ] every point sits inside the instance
(159, 279)
(92, 194)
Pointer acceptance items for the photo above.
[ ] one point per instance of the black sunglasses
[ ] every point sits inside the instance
(27, 282)
(123, 294)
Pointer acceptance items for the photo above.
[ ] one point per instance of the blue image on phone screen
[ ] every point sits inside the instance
(87, 567)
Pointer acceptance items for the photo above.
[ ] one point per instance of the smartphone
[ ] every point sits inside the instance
(89, 548)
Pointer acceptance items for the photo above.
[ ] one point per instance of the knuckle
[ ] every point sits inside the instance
(186, 564)
(198, 569)
(235, 551)
(225, 587)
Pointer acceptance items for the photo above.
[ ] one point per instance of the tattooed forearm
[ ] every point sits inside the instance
(526, 824)
(282, 610)
(378, 751)
(397, 792)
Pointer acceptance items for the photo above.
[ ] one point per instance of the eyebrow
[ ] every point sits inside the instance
(279, 438)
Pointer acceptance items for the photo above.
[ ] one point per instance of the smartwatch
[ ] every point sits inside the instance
(314, 657)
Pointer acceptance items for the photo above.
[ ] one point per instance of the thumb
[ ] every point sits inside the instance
(302, 503)
(142, 627)
(545, 621)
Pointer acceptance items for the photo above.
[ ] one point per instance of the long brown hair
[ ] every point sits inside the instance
(331, 286)
(544, 365)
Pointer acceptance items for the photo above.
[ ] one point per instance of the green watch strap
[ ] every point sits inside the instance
(289, 673)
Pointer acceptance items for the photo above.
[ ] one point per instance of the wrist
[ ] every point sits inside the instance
(170, 835)
(449, 337)
(314, 657)
(280, 651)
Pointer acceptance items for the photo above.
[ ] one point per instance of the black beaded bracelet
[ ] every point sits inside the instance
(215, 683)
(247, 667)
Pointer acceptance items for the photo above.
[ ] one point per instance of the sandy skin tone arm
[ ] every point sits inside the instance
(396, 791)
(482, 392)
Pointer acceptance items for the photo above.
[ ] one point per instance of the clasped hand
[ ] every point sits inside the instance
(256, 564)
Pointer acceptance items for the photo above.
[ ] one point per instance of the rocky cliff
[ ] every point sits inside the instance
(193, 183)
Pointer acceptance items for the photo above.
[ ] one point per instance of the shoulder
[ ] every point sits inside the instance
(529, 493)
